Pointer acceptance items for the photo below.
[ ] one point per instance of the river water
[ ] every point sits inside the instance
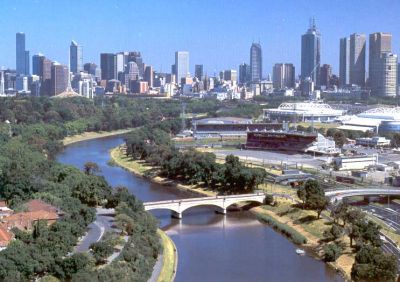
(211, 247)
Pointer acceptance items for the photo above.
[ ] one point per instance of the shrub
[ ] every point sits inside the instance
(332, 252)
(288, 231)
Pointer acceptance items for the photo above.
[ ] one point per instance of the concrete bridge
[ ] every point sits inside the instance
(339, 194)
(220, 202)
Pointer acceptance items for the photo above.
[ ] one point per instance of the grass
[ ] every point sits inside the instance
(304, 218)
(92, 135)
(288, 231)
(318, 125)
(119, 157)
(170, 258)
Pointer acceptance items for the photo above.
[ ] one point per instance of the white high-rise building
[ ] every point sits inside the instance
(386, 80)
(181, 65)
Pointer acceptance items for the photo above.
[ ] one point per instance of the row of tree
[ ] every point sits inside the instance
(153, 145)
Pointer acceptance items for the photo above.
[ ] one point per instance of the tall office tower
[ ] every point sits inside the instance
(244, 73)
(90, 68)
(173, 69)
(45, 75)
(131, 73)
(311, 54)
(36, 64)
(386, 80)
(326, 73)
(379, 43)
(2, 83)
(357, 59)
(75, 57)
(230, 75)
(181, 65)
(22, 55)
(198, 72)
(108, 66)
(59, 78)
(283, 76)
(148, 75)
(255, 62)
(344, 62)
(398, 79)
(136, 57)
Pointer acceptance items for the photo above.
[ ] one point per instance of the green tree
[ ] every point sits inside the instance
(332, 252)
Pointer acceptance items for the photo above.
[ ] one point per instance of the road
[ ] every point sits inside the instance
(391, 216)
(103, 223)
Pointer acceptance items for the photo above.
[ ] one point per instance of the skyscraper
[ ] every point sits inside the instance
(136, 57)
(198, 71)
(326, 73)
(59, 78)
(90, 68)
(244, 73)
(45, 75)
(357, 59)
(148, 75)
(344, 62)
(386, 80)
(76, 57)
(283, 76)
(36, 64)
(181, 65)
(311, 54)
(22, 55)
(255, 62)
(108, 66)
(379, 43)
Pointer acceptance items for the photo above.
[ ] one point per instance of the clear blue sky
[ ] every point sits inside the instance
(217, 33)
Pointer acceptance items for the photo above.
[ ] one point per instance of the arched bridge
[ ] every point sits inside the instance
(339, 194)
(221, 202)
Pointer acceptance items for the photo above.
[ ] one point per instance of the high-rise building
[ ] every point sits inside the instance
(344, 62)
(230, 75)
(326, 73)
(379, 43)
(386, 80)
(283, 76)
(36, 64)
(108, 66)
(244, 73)
(256, 62)
(2, 89)
(357, 59)
(398, 79)
(90, 68)
(45, 76)
(148, 75)
(198, 72)
(76, 57)
(59, 78)
(136, 57)
(311, 54)
(22, 55)
(181, 64)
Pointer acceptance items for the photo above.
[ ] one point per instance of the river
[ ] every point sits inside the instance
(211, 247)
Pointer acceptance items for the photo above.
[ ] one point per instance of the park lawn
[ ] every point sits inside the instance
(170, 258)
(318, 125)
(304, 218)
(118, 156)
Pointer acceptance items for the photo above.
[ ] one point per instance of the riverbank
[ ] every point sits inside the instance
(169, 258)
(93, 135)
(141, 169)
(304, 223)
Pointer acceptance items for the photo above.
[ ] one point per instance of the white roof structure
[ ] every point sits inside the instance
(305, 109)
(372, 118)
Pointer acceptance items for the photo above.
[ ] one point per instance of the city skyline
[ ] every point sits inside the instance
(280, 41)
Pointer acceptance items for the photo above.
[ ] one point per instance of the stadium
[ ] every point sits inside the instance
(303, 112)
(379, 120)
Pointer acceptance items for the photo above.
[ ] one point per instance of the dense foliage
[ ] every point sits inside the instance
(27, 146)
(153, 144)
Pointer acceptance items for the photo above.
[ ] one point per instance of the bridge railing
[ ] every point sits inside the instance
(242, 196)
